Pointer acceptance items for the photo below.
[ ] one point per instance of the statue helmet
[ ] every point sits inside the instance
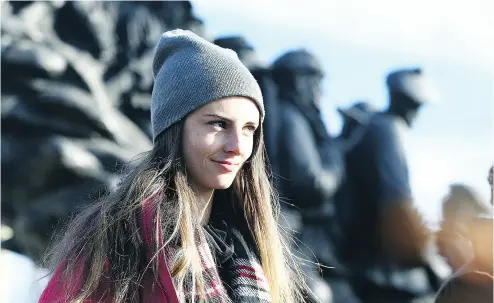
(299, 60)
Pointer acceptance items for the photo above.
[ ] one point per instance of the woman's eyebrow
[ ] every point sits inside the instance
(230, 120)
(218, 117)
(252, 123)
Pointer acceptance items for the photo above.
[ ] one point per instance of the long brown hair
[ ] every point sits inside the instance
(109, 229)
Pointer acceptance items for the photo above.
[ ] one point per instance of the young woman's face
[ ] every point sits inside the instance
(217, 140)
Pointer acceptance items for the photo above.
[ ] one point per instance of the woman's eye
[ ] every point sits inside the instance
(251, 128)
(218, 124)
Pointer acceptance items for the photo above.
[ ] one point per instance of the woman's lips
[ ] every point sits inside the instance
(226, 166)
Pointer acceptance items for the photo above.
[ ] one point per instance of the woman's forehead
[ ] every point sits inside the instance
(233, 108)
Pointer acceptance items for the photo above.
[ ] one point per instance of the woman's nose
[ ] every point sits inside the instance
(234, 142)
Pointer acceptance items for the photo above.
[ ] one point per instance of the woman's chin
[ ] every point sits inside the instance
(223, 182)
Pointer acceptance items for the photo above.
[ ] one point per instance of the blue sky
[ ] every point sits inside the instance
(359, 42)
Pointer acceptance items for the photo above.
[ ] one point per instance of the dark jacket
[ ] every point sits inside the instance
(310, 169)
(310, 172)
(377, 177)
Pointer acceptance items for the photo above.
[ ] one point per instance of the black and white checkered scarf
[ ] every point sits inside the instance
(239, 267)
(234, 275)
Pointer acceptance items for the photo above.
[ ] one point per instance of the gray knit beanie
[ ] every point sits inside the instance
(190, 72)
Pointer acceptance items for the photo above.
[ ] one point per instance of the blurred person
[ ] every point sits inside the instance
(262, 73)
(197, 219)
(467, 244)
(245, 51)
(385, 239)
(462, 204)
(462, 207)
(310, 166)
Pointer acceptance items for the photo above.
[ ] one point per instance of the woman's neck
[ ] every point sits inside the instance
(205, 205)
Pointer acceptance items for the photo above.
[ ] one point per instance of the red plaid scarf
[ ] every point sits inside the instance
(246, 281)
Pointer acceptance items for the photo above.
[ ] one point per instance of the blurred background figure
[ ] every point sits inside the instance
(463, 203)
(384, 237)
(312, 164)
(465, 241)
(462, 210)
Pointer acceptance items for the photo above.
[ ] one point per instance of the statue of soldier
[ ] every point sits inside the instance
(312, 164)
(384, 236)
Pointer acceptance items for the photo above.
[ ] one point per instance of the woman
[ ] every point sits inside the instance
(195, 220)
